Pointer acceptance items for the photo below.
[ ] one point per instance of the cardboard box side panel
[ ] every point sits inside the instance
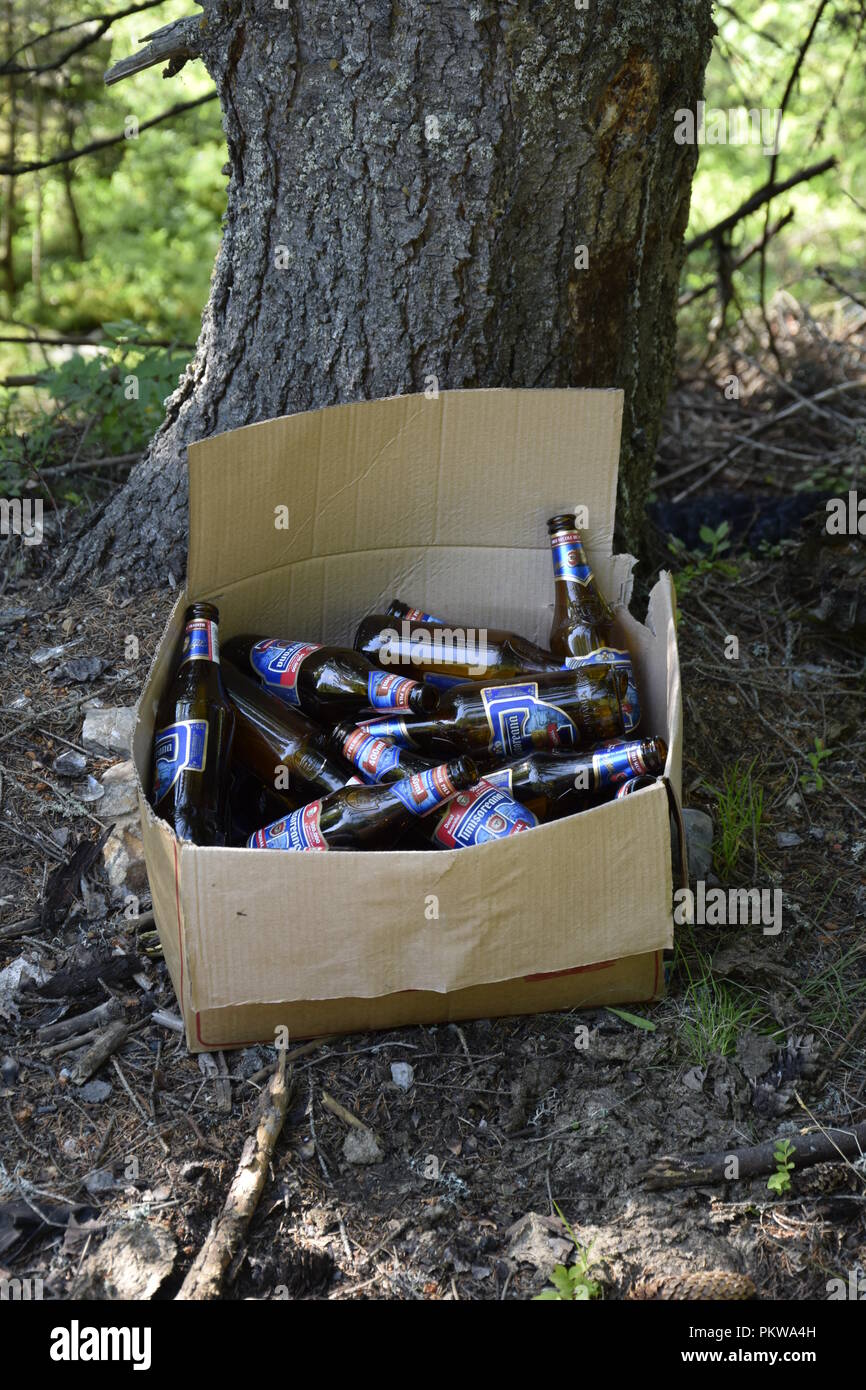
(634, 980)
(324, 600)
(159, 849)
(571, 893)
(405, 472)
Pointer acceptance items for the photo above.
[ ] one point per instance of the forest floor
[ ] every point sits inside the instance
(504, 1121)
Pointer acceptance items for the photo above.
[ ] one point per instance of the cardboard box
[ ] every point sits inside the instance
(299, 527)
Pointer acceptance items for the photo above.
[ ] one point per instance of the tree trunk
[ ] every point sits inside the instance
(488, 193)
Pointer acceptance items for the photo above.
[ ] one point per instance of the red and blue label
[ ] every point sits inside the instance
(520, 722)
(180, 747)
(618, 764)
(478, 815)
(277, 664)
(569, 557)
(373, 757)
(621, 661)
(414, 615)
(389, 692)
(200, 641)
(299, 831)
(424, 791)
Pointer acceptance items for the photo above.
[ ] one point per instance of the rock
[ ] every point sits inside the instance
(9, 1070)
(95, 1091)
(131, 1263)
(12, 981)
(69, 763)
(100, 1180)
(123, 854)
(794, 804)
(755, 1053)
(108, 731)
(787, 839)
(120, 791)
(537, 1240)
(699, 842)
(362, 1146)
(79, 669)
(402, 1075)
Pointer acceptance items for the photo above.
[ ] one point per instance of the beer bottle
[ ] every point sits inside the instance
(367, 817)
(328, 683)
(553, 785)
(270, 736)
(448, 655)
(252, 804)
(555, 711)
(634, 784)
(193, 739)
(479, 813)
(581, 616)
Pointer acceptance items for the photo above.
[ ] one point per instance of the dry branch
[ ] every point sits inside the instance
(756, 200)
(177, 41)
(107, 1043)
(204, 1279)
(822, 1146)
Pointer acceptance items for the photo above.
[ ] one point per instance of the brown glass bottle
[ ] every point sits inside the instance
(551, 711)
(193, 738)
(554, 785)
(475, 815)
(367, 817)
(456, 653)
(581, 615)
(285, 749)
(328, 683)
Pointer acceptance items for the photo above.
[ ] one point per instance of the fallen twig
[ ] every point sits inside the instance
(827, 1146)
(107, 1043)
(205, 1275)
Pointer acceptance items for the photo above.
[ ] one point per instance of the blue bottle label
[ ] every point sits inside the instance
(634, 784)
(300, 831)
(569, 557)
(180, 747)
(617, 764)
(414, 615)
(500, 777)
(397, 730)
(424, 791)
(443, 682)
(373, 757)
(277, 665)
(482, 813)
(389, 692)
(520, 722)
(621, 659)
(200, 641)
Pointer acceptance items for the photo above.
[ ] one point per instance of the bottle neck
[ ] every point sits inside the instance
(571, 567)
(200, 641)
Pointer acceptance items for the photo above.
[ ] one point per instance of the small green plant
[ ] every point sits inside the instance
(739, 812)
(780, 1181)
(571, 1284)
(697, 563)
(812, 780)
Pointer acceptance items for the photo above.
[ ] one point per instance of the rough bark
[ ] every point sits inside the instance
(409, 183)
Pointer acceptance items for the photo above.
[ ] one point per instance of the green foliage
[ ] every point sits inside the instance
(696, 564)
(635, 1020)
(713, 1013)
(780, 1181)
(812, 781)
(739, 814)
(571, 1283)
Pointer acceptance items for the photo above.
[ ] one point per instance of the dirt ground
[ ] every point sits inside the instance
(502, 1119)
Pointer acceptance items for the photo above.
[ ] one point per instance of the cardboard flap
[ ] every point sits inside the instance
(410, 471)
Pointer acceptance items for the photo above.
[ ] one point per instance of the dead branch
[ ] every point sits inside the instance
(741, 260)
(81, 1023)
(108, 1042)
(824, 1146)
(175, 43)
(205, 1275)
(756, 200)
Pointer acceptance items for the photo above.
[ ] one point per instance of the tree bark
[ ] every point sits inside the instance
(410, 186)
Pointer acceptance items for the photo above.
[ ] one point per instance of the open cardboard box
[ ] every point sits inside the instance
(298, 528)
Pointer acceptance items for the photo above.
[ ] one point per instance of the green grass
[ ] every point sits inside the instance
(739, 806)
(713, 1014)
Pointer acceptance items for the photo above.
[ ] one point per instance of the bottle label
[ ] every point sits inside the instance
(372, 756)
(424, 791)
(481, 813)
(277, 665)
(178, 748)
(396, 730)
(300, 830)
(389, 692)
(613, 765)
(520, 722)
(414, 615)
(501, 777)
(634, 784)
(569, 557)
(614, 656)
(200, 641)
